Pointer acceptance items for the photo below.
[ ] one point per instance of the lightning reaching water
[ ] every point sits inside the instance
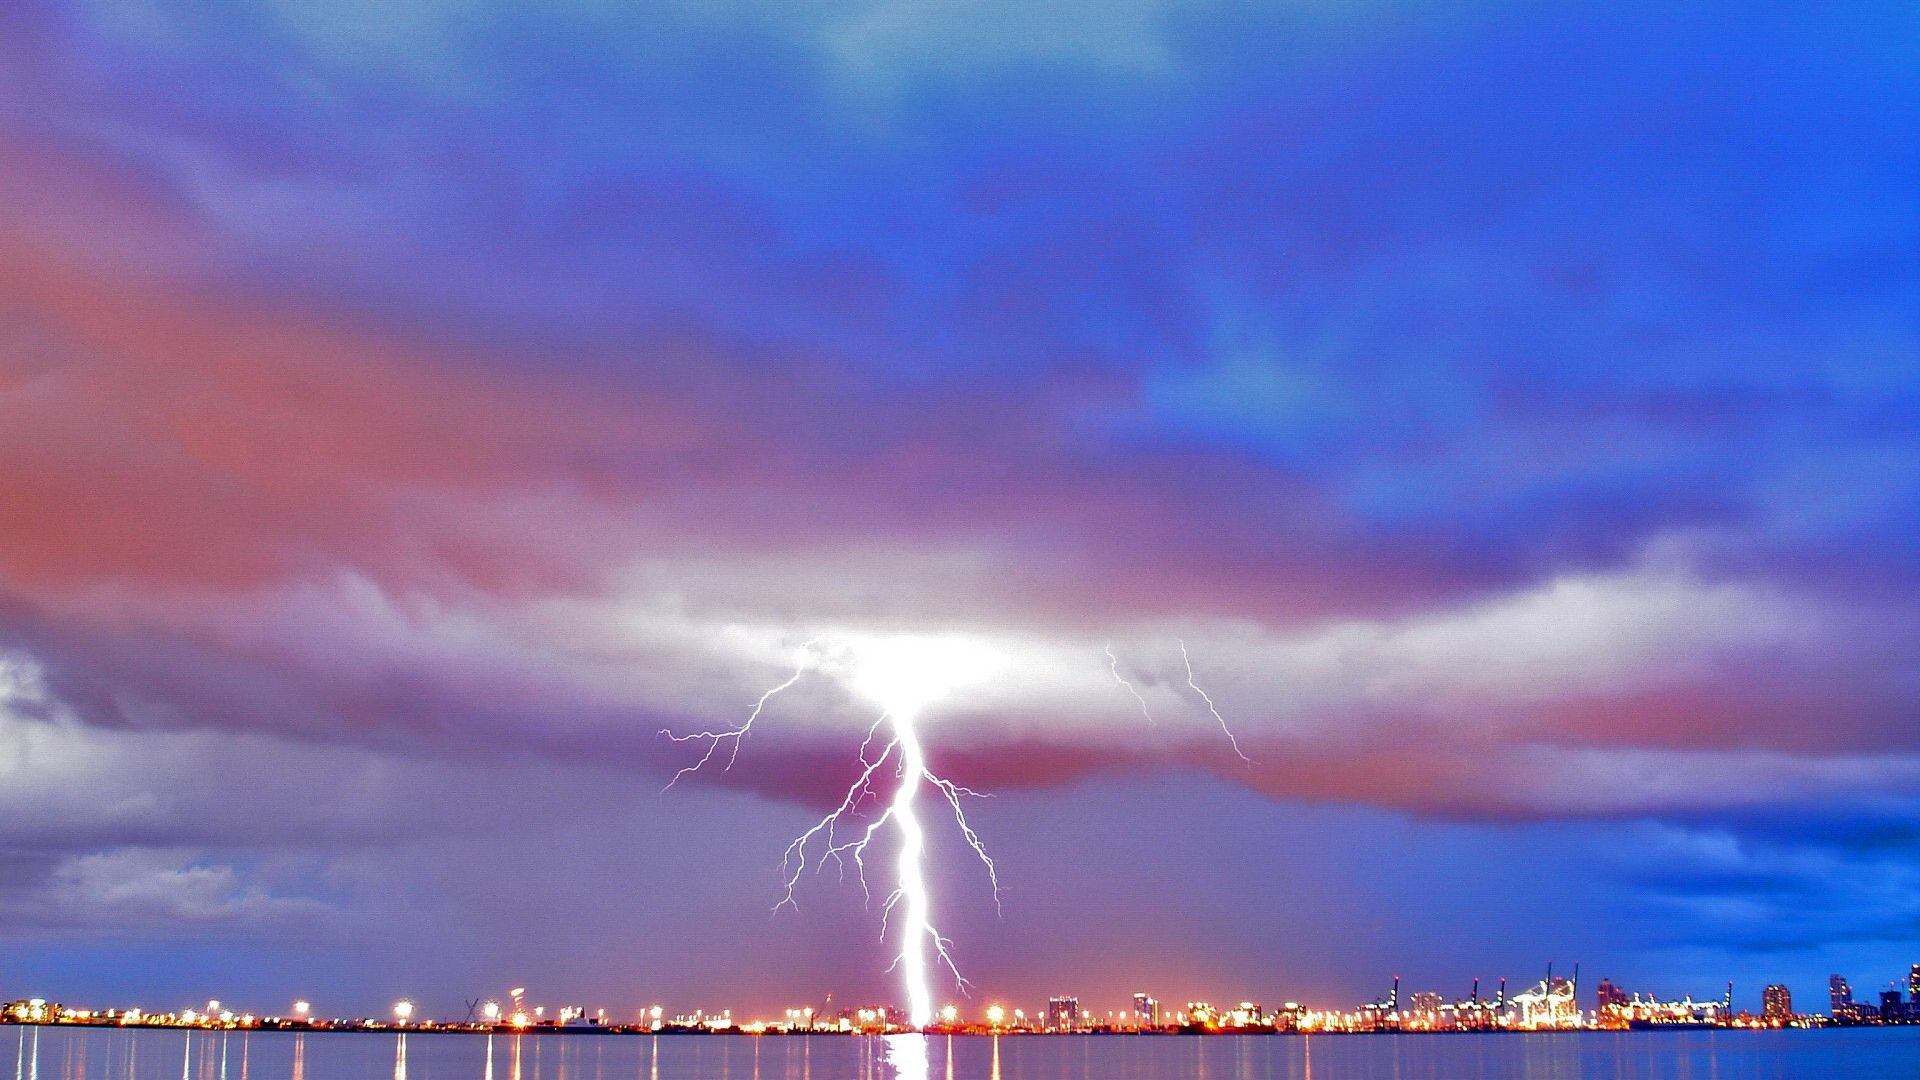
(907, 913)
(903, 689)
(1188, 660)
(911, 894)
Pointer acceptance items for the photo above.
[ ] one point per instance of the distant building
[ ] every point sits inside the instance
(1146, 1011)
(1892, 1005)
(1839, 996)
(1610, 996)
(1063, 1013)
(1248, 1014)
(1913, 985)
(1776, 1004)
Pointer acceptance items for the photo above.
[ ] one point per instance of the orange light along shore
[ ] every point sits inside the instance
(1547, 1006)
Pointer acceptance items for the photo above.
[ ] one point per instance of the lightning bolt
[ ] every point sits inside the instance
(1221, 720)
(1113, 665)
(921, 943)
(841, 836)
(735, 735)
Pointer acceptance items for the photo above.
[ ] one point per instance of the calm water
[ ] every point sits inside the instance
(80, 1054)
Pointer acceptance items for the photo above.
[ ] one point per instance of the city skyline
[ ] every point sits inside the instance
(1399, 488)
(1553, 1003)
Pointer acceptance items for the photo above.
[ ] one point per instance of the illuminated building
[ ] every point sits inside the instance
(1247, 1014)
(1913, 984)
(1550, 1004)
(1609, 997)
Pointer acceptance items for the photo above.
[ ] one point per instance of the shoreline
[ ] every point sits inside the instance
(351, 1029)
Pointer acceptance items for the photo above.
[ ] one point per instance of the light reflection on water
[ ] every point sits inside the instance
(907, 1056)
(116, 1054)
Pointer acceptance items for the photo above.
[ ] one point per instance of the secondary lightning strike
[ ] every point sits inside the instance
(734, 736)
(1113, 664)
(1188, 660)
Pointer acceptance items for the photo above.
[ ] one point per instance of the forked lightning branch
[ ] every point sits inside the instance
(902, 676)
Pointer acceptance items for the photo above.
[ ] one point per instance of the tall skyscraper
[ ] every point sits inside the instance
(1839, 995)
(1913, 984)
(1609, 996)
(1776, 1004)
(1146, 1011)
(1063, 1013)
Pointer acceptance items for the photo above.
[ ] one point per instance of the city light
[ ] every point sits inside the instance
(1552, 1003)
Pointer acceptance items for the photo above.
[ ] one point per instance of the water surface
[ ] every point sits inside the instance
(115, 1054)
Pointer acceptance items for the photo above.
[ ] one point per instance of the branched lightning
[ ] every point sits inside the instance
(735, 735)
(1113, 665)
(1188, 660)
(814, 847)
(843, 835)
(954, 793)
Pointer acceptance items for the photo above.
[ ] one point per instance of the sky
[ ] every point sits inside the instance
(407, 411)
